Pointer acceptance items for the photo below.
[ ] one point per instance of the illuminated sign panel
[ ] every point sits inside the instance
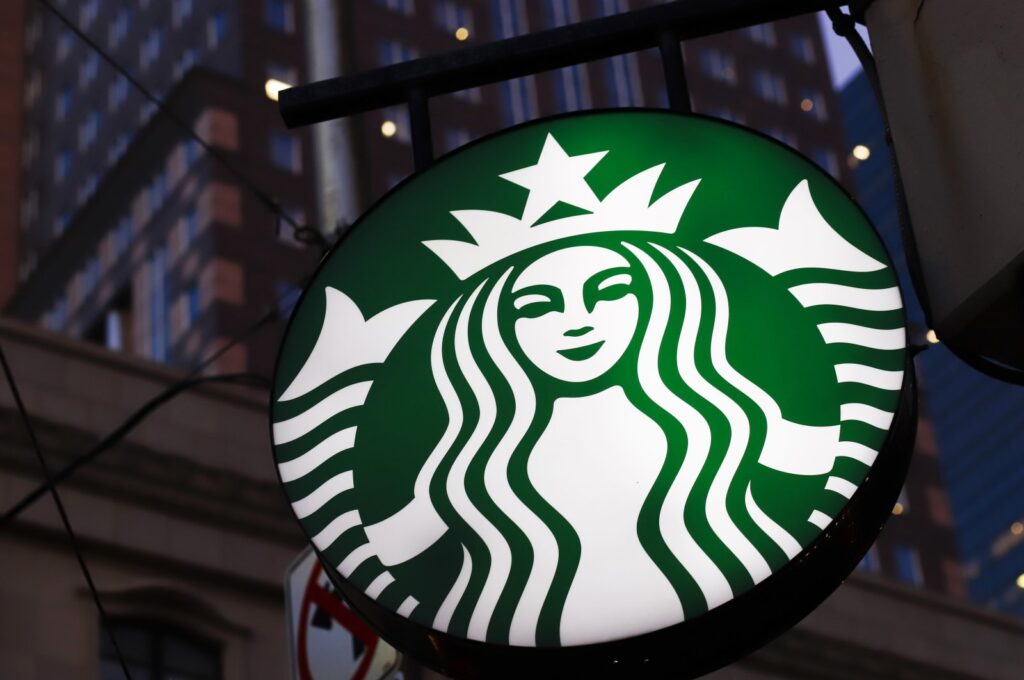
(609, 388)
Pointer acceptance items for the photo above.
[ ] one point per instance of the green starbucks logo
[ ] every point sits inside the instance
(588, 379)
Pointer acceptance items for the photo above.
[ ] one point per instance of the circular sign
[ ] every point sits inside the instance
(616, 390)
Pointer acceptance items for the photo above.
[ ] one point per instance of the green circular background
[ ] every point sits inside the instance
(772, 340)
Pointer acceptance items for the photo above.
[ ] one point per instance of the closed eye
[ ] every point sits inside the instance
(530, 299)
(623, 279)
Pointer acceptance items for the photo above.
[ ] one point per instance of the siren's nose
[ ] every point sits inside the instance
(577, 332)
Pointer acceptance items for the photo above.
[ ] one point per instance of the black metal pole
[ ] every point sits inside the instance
(675, 72)
(419, 118)
(491, 62)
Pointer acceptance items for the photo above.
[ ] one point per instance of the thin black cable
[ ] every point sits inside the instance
(121, 431)
(303, 233)
(845, 26)
(104, 619)
(188, 382)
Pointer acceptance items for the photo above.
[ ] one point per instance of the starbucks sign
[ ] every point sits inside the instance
(609, 391)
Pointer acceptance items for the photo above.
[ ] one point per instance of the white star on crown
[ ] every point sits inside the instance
(558, 177)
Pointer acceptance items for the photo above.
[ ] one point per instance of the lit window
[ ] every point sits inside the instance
(802, 47)
(455, 137)
(285, 152)
(159, 340)
(287, 297)
(395, 52)
(623, 80)
(193, 304)
(191, 150)
(519, 101)
(471, 95)
(762, 34)
(88, 187)
(401, 6)
(87, 13)
(869, 562)
(62, 165)
(725, 113)
(58, 315)
(88, 70)
(152, 46)
(119, 26)
(33, 87)
(784, 136)
(181, 11)
(908, 565)
(64, 44)
(63, 220)
(122, 235)
(718, 66)
(826, 160)
(33, 32)
(117, 93)
(187, 60)
(118, 147)
(88, 130)
(65, 100)
(190, 226)
(157, 192)
(217, 28)
(158, 652)
(279, 15)
(770, 86)
(90, 275)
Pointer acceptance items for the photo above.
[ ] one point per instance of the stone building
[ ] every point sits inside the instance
(188, 537)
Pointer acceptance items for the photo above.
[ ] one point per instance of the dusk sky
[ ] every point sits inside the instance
(842, 62)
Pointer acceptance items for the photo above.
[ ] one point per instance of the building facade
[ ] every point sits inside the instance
(125, 220)
(977, 421)
(188, 538)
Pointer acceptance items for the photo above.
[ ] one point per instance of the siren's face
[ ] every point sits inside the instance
(575, 312)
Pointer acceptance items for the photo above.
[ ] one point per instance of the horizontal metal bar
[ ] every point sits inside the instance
(531, 53)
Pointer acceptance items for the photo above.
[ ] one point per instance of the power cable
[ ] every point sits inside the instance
(845, 26)
(105, 620)
(302, 233)
(121, 431)
(192, 379)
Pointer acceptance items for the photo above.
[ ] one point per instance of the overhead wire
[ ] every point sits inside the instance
(62, 511)
(302, 233)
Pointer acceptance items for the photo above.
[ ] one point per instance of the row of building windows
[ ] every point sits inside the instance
(769, 86)
(800, 46)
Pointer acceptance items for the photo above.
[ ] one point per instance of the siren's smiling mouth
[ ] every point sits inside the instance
(581, 353)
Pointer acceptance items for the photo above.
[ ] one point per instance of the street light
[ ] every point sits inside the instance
(461, 33)
(273, 88)
(388, 128)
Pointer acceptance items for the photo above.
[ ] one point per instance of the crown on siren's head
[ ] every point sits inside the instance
(559, 178)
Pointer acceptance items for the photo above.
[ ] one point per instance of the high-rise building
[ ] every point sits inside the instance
(977, 422)
(13, 88)
(134, 236)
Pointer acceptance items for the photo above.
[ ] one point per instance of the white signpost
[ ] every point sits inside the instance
(327, 640)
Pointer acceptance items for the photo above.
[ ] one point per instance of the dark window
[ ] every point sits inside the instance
(157, 652)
